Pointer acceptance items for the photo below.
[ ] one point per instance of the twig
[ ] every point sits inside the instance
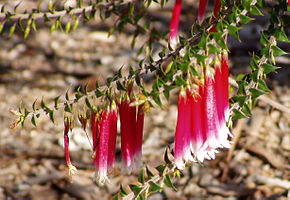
(51, 15)
(237, 131)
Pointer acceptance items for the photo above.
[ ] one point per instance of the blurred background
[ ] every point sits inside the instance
(32, 163)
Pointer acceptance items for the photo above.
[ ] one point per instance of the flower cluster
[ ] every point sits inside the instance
(203, 111)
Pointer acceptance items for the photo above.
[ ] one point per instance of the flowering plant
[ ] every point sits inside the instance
(197, 68)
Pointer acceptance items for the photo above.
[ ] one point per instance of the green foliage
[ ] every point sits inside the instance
(170, 71)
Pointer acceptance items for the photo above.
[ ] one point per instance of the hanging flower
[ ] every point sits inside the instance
(182, 149)
(131, 134)
(67, 127)
(102, 147)
(127, 114)
(198, 136)
(139, 136)
(173, 40)
(201, 10)
(113, 115)
(217, 8)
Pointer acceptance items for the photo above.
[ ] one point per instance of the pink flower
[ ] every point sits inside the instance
(102, 147)
(201, 10)
(216, 138)
(182, 150)
(174, 23)
(72, 169)
(131, 134)
(113, 115)
(139, 136)
(202, 117)
(217, 8)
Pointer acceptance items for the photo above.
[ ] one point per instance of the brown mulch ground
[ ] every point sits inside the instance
(32, 164)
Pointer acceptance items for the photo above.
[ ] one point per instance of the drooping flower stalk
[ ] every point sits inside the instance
(72, 169)
(113, 115)
(201, 10)
(173, 40)
(101, 156)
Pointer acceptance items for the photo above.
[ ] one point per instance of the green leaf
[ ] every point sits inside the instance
(242, 85)
(120, 86)
(247, 4)
(88, 103)
(52, 28)
(67, 27)
(277, 51)
(33, 121)
(154, 187)
(245, 19)
(34, 105)
(12, 29)
(200, 58)
(51, 115)
(255, 11)
(140, 197)
(99, 93)
(213, 49)
(78, 95)
(33, 25)
(116, 197)
(56, 102)
(263, 86)
(281, 36)
(76, 24)
(202, 43)
(157, 99)
(238, 114)
(234, 31)
(269, 68)
(141, 177)
(149, 173)
(68, 108)
(240, 99)
(256, 93)
(180, 81)
(123, 191)
(169, 183)
(161, 169)
(135, 188)
(246, 110)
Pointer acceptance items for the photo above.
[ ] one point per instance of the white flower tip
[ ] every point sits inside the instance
(179, 164)
(101, 177)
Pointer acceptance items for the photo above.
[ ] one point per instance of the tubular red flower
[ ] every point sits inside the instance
(210, 111)
(139, 135)
(180, 129)
(217, 8)
(72, 169)
(225, 83)
(101, 156)
(174, 23)
(113, 115)
(198, 136)
(95, 129)
(127, 135)
(201, 10)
